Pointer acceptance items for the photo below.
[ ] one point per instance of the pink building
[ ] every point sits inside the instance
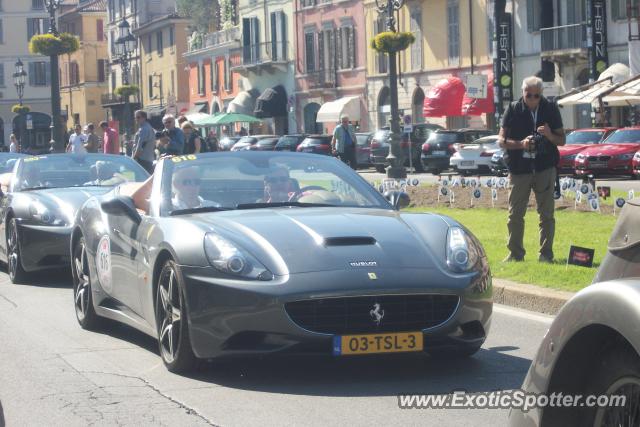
(330, 64)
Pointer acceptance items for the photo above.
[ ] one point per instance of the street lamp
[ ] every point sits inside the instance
(396, 158)
(19, 79)
(125, 45)
(56, 130)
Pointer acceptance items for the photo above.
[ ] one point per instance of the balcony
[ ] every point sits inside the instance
(109, 100)
(218, 39)
(270, 56)
(321, 79)
(564, 43)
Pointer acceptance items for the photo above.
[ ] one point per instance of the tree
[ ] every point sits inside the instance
(204, 13)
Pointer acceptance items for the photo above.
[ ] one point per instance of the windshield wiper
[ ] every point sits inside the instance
(198, 210)
(282, 204)
(40, 187)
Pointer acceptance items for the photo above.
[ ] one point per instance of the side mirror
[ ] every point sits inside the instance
(122, 205)
(399, 199)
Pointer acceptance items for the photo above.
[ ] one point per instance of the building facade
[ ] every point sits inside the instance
(557, 32)
(453, 39)
(265, 61)
(330, 60)
(163, 41)
(19, 21)
(83, 74)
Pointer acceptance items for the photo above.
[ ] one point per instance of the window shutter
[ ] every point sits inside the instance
(332, 48)
(352, 48)
(338, 37)
(321, 51)
(531, 15)
(283, 34)
(29, 28)
(1, 75)
(100, 30)
(32, 74)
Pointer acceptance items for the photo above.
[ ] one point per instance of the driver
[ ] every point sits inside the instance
(186, 189)
(278, 186)
(106, 174)
(31, 177)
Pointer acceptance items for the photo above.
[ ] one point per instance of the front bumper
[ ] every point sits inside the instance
(44, 247)
(236, 319)
(613, 167)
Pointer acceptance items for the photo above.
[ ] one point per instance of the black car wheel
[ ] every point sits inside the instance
(173, 331)
(83, 300)
(14, 263)
(618, 374)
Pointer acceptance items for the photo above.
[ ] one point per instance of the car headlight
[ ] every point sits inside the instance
(627, 156)
(462, 253)
(41, 213)
(581, 157)
(570, 157)
(637, 156)
(228, 258)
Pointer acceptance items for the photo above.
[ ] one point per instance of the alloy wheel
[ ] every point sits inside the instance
(621, 416)
(169, 314)
(82, 288)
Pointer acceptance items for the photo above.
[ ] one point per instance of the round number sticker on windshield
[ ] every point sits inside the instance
(103, 263)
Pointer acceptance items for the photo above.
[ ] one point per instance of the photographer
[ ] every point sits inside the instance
(531, 133)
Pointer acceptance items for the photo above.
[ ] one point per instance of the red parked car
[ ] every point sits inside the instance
(636, 164)
(614, 156)
(577, 141)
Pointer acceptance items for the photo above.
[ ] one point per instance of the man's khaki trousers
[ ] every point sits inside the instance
(543, 186)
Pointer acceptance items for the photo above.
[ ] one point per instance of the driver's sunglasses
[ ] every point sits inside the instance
(191, 182)
(533, 95)
(276, 179)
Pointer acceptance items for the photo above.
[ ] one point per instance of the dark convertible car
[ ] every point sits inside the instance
(43, 195)
(246, 253)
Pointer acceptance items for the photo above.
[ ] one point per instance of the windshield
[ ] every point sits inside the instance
(362, 139)
(620, 136)
(8, 161)
(253, 180)
(445, 137)
(288, 141)
(591, 137)
(317, 141)
(381, 135)
(247, 140)
(63, 170)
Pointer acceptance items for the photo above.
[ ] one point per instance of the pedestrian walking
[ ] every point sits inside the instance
(77, 141)
(93, 142)
(144, 142)
(531, 133)
(13, 144)
(343, 143)
(110, 143)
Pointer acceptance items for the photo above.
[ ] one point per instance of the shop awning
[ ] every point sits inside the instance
(243, 103)
(271, 103)
(479, 106)
(197, 112)
(591, 92)
(445, 98)
(625, 94)
(330, 112)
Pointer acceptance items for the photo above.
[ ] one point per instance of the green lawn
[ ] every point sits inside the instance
(578, 228)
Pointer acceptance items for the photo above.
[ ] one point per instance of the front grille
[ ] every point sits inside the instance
(599, 164)
(355, 315)
(599, 158)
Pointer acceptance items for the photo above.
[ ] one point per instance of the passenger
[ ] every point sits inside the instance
(278, 186)
(186, 187)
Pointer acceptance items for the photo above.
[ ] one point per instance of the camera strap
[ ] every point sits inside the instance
(534, 116)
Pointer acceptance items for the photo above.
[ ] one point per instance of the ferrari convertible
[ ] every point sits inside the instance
(42, 197)
(247, 253)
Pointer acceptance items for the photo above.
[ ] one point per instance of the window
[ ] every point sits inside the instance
(100, 30)
(135, 74)
(102, 70)
(201, 79)
(307, 3)
(35, 26)
(37, 4)
(74, 73)
(490, 26)
(250, 40)
(416, 48)
(346, 48)
(278, 36)
(149, 44)
(213, 75)
(533, 15)
(150, 78)
(172, 40)
(228, 82)
(310, 51)
(113, 81)
(159, 46)
(453, 32)
(122, 7)
(112, 43)
(619, 9)
(39, 73)
(112, 10)
(381, 59)
(2, 83)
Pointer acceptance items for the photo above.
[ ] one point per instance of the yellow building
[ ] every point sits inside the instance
(165, 83)
(83, 73)
(453, 38)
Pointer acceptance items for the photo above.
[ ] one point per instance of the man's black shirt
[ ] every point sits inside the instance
(518, 120)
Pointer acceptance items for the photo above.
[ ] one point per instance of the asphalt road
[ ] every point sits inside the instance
(54, 373)
(427, 178)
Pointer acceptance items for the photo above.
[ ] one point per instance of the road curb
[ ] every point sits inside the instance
(529, 297)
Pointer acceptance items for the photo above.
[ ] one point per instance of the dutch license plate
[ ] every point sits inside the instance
(467, 163)
(439, 153)
(377, 343)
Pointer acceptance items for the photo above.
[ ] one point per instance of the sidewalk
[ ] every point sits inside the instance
(529, 297)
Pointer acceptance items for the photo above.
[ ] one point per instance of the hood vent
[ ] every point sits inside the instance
(349, 241)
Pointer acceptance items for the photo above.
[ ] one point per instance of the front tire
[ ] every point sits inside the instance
(17, 274)
(82, 297)
(171, 320)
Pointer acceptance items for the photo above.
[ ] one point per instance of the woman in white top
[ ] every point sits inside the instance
(13, 146)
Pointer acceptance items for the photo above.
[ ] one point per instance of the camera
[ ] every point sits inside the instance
(537, 143)
(162, 134)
